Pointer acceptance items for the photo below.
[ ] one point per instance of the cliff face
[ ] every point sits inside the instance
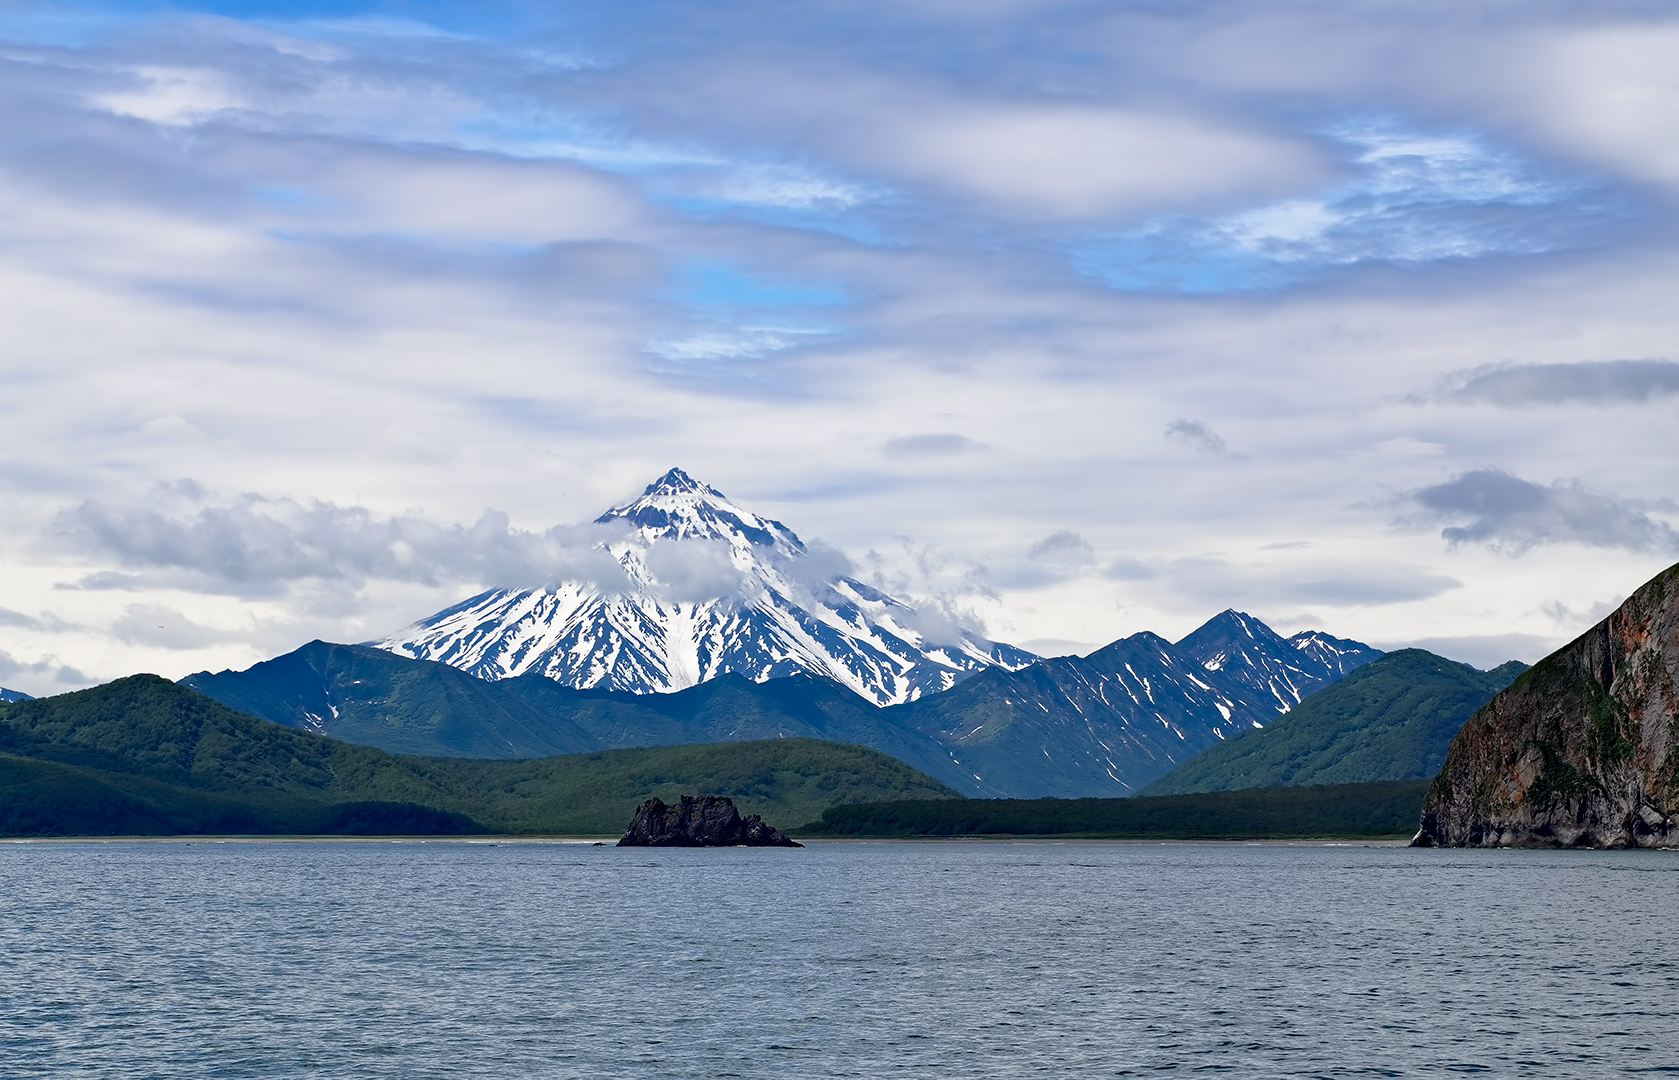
(1581, 750)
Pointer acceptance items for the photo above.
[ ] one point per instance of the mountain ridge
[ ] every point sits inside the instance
(1100, 725)
(1288, 669)
(374, 697)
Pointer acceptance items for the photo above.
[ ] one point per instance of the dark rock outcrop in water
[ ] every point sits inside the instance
(1580, 751)
(699, 821)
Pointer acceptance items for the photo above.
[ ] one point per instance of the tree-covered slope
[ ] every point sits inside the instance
(145, 756)
(1385, 809)
(1391, 719)
(786, 780)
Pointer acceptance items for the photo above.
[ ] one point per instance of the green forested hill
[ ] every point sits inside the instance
(1381, 809)
(1389, 720)
(145, 756)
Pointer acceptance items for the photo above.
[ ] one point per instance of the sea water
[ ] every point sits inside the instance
(136, 959)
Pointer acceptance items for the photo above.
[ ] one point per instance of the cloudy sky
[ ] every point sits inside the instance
(1079, 318)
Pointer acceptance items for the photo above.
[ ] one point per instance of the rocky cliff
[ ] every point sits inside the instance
(1580, 751)
(699, 821)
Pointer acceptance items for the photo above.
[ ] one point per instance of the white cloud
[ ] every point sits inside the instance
(1602, 382)
(732, 343)
(1610, 93)
(357, 190)
(173, 95)
(162, 626)
(817, 569)
(1064, 549)
(694, 571)
(258, 545)
(943, 620)
(1484, 651)
(1411, 198)
(1194, 433)
(39, 677)
(1082, 162)
(942, 444)
(1513, 515)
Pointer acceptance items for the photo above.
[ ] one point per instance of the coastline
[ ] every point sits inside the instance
(611, 841)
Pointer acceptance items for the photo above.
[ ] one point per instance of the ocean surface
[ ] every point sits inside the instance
(841, 960)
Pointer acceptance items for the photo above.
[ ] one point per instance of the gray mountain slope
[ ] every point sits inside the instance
(1103, 724)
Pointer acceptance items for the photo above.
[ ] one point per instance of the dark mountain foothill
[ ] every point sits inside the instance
(1582, 750)
(1392, 719)
(699, 821)
(144, 756)
(1105, 724)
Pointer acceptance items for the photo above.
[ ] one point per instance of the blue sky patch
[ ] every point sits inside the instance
(1416, 199)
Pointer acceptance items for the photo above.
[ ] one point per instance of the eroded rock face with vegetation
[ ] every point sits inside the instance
(1580, 750)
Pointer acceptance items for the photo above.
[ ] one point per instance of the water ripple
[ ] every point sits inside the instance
(843, 960)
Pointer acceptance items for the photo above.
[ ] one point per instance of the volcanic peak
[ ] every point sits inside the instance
(745, 599)
(678, 507)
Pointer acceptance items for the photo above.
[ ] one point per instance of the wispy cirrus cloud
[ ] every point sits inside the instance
(1198, 436)
(1586, 382)
(1065, 549)
(1413, 198)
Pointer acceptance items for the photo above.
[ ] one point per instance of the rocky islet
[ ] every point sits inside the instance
(699, 821)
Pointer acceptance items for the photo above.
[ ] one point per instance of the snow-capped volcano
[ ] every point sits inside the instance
(707, 587)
